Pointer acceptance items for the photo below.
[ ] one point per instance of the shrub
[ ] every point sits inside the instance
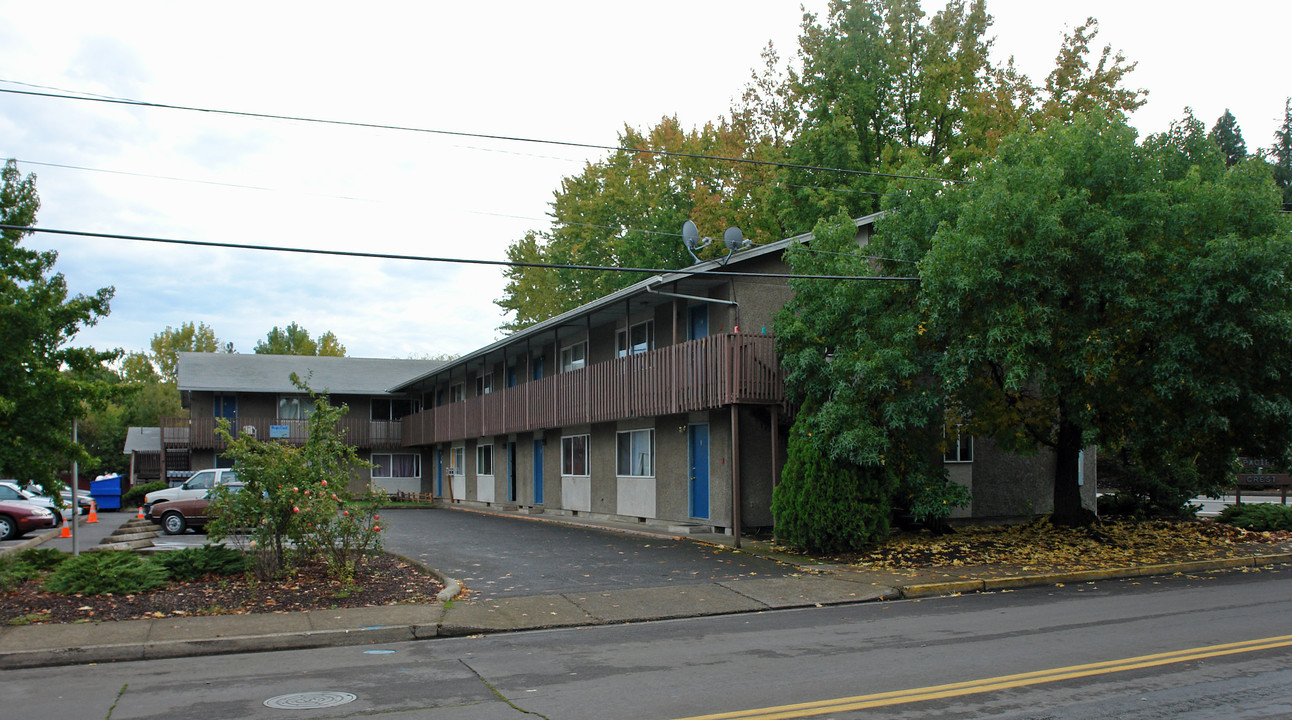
(295, 501)
(134, 497)
(17, 568)
(1260, 517)
(199, 562)
(119, 572)
(824, 506)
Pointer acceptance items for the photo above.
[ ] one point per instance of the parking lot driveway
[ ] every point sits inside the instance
(510, 557)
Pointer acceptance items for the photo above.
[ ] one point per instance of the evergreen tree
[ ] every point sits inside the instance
(1283, 155)
(1229, 138)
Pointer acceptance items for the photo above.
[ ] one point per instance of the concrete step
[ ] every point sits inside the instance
(691, 529)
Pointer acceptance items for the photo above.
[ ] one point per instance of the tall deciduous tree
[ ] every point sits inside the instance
(1229, 138)
(1089, 289)
(628, 210)
(296, 340)
(188, 337)
(45, 382)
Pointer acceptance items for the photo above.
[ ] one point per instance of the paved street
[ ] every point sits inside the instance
(509, 557)
(1078, 651)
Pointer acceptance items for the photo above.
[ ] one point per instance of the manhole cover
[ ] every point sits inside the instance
(310, 700)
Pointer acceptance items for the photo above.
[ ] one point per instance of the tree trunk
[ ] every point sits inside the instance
(1068, 510)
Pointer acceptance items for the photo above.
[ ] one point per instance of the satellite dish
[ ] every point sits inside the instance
(691, 238)
(735, 240)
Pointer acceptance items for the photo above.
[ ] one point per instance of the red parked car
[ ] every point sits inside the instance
(19, 518)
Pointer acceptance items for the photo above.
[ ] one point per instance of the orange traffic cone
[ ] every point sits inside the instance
(140, 516)
(67, 531)
(94, 514)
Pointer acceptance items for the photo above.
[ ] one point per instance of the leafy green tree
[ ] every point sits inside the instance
(628, 210)
(45, 382)
(1074, 88)
(296, 340)
(169, 343)
(859, 367)
(142, 399)
(1229, 138)
(1087, 289)
(1282, 153)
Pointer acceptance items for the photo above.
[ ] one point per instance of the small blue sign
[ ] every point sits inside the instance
(279, 431)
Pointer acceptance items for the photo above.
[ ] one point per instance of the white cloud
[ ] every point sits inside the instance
(576, 71)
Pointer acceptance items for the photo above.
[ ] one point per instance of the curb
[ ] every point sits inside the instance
(445, 627)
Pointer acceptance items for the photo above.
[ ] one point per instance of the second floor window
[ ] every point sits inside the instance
(574, 357)
(484, 384)
(457, 393)
(636, 339)
(295, 407)
(394, 408)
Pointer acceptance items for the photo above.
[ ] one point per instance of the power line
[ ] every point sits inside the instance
(457, 261)
(457, 133)
(185, 180)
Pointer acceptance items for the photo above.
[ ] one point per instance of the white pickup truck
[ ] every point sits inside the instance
(195, 487)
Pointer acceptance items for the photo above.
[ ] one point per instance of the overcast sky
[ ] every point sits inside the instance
(570, 71)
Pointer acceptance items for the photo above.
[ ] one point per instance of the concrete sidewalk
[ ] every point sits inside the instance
(814, 585)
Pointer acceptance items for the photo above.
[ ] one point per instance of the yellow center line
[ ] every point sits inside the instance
(1004, 682)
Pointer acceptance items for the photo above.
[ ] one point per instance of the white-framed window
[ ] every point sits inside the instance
(458, 460)
(635, 339)
(574, 357)
(959, 445)
(295, 407)
(484, 384)
(636, 453)
(396, 465)
(484, 459)
(574, 455)
(457, 392)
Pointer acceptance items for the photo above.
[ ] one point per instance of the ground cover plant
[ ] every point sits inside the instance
(211, 580)
(1258, 516)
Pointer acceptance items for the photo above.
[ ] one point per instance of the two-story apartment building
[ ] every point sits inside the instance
(661, 403)
(256, 395)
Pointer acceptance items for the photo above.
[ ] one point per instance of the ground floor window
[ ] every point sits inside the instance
(396, 465)
(636, 453)
(574, 455)
(959, 445)
(484, 459)
(458, 461)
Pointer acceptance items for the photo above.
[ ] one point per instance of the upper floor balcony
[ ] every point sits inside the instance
(199, 433)
(704, 374)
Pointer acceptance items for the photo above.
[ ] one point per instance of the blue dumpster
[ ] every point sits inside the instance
(106, 491)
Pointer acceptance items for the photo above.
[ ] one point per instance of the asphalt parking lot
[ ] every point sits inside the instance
(496, 556)
(499, 557)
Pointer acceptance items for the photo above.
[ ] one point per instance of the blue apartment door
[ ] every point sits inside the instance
(697, 322)
(226, 406)
(439, 472)
(698, 446)
(538, 472)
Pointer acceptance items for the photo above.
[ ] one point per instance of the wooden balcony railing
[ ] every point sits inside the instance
(698, 375)
(199, 433)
